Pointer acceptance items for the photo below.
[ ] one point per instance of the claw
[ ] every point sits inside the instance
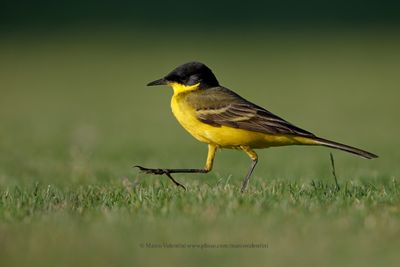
(151, 171)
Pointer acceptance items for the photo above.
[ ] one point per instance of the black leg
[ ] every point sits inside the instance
(165, 171)
(168, 172)
(247, 178)
(253, 155)
(157, 171)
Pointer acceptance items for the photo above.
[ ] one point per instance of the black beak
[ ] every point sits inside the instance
(161, 81)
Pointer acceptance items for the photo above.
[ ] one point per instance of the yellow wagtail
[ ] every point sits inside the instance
(221, 118)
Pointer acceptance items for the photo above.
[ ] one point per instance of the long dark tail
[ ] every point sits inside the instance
(350, 149)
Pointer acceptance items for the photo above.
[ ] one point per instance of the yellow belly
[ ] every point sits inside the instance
(228, 137)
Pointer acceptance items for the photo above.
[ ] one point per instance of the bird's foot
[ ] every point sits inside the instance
(151, 171)
(160, 172)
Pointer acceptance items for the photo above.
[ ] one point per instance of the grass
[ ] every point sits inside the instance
(75, 117)
(356, 225)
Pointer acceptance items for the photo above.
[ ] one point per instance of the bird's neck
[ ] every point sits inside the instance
(180, 88)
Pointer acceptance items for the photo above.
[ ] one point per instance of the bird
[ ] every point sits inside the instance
(220, 118)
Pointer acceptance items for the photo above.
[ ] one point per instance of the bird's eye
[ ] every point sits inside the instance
(193, 79)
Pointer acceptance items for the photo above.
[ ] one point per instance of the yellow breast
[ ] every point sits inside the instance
(186, 116)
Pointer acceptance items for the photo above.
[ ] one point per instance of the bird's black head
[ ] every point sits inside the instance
(189, 74)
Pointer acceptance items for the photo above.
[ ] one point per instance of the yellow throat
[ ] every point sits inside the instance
(180, 88)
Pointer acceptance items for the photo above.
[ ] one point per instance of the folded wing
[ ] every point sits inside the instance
(219, 106)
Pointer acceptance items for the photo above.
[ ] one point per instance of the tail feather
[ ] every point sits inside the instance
(350, 149)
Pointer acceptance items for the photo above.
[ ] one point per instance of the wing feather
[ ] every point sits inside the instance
(219, 106)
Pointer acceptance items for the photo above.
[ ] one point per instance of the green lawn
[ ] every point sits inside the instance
(75, 116)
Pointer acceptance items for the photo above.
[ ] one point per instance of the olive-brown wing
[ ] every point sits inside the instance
(220, 106)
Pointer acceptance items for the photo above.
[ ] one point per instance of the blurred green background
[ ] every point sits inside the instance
(75, 113)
